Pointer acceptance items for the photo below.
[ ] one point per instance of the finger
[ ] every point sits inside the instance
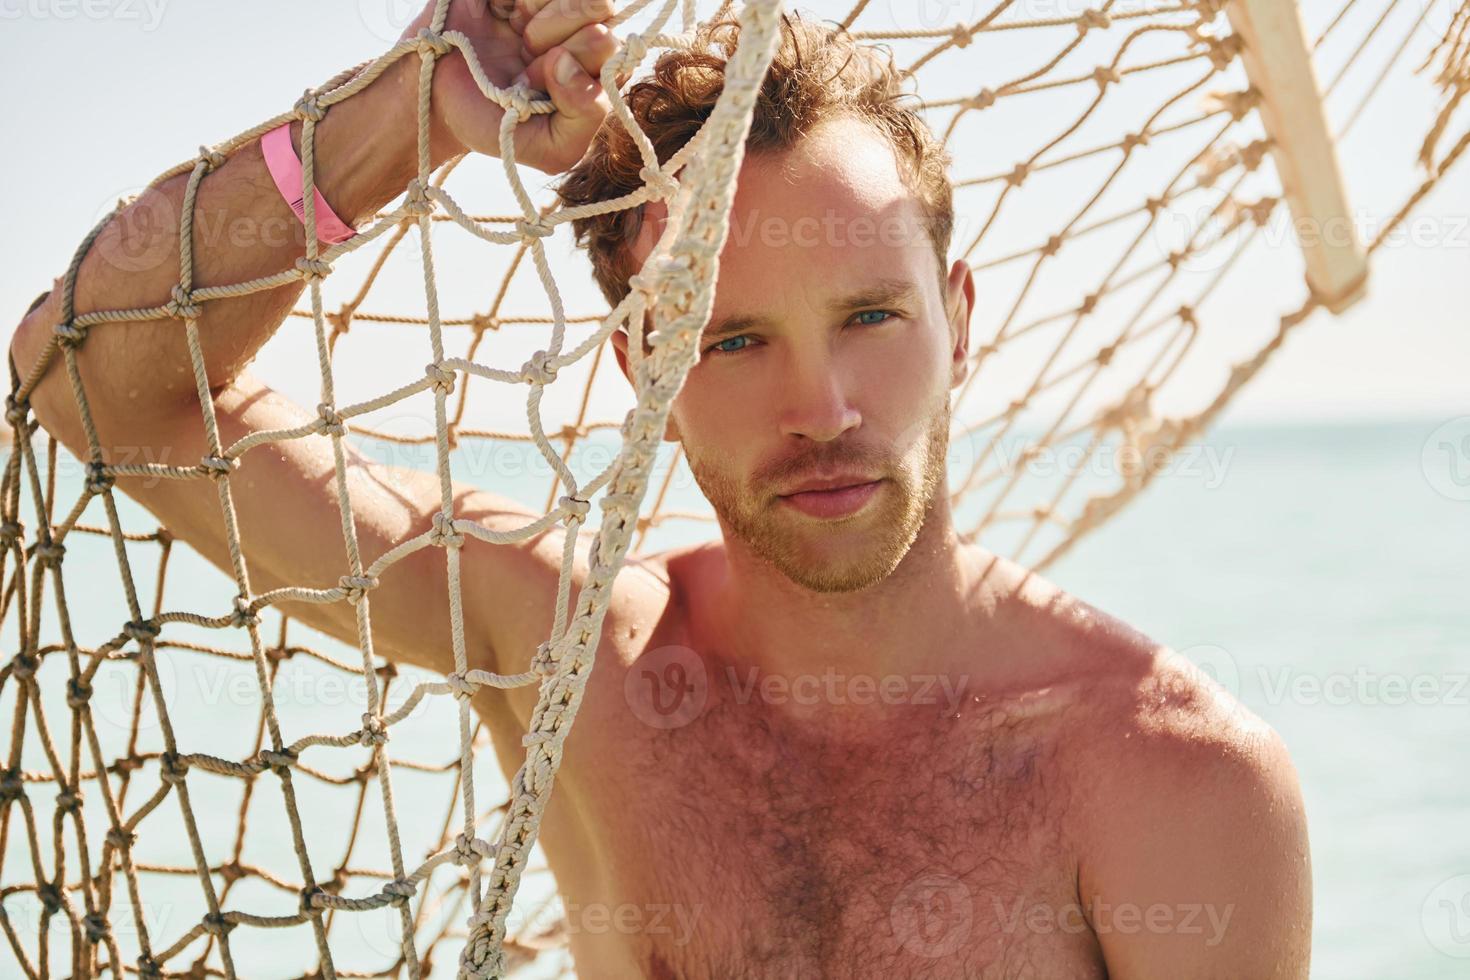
(580, 105)
(592, 46)
(517, 13)
(558, 20)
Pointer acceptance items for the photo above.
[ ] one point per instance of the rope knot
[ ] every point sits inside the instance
(480, 322)
(69, 801)
(11, 787)
(306, 108)
(1223, 50)
(119, 839)
(211, 158)
(49, 553)
(217, 467)
(532, 229)
(576, 507)
(543, 661)
(374, 732)
(331, 421)
(308, 900)
(1255, 151)
(416, 200)
(49, 897)
(442, 377)
(143, 630)
(443, 533)
(634, 50)
(470, 851)
(216, 924)
(1186, 315)
(278, 762)
(431, 44)
(243, 615)
(1018, 176)
(181, 305)
(1089, 303)
(1131, 140)
(1093, 18)
(69, 334)
(98, 479)
(16, 412)
(401, 891)
(313, 269)
(10, 532)
(983, 99)
(961, 36)
(171, 768)
(95, 926)
(537, 370)
(1053, 245)
(463, 687)
(148, 968)
(664, 185)
(78, 693)
(356, 586)
(1105, 355)
(23, 666)
(1105, 76)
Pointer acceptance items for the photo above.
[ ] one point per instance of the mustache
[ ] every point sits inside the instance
(809, 465)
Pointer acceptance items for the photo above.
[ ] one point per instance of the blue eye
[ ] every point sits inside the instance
(883, 314)
(721, 348)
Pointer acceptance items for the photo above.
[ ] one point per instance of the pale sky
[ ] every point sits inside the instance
(105, 94)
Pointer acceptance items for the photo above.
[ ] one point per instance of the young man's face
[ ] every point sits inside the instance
(831, 351)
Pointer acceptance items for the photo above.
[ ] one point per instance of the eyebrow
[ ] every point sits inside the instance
(879, 292)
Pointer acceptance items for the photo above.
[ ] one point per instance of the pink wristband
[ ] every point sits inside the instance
(280, 160)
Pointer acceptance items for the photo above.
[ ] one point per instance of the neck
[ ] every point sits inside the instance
(906, 625)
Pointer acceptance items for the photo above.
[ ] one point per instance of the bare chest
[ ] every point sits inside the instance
(740, 844)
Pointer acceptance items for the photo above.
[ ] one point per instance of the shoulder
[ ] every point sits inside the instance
(1185, 808)
(1193, 837)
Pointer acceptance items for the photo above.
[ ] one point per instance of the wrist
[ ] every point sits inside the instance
(366, 145)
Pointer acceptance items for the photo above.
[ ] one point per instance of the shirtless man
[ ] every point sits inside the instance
(888, 753)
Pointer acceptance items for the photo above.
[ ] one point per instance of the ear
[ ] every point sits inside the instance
(959, 300)
(620, 348)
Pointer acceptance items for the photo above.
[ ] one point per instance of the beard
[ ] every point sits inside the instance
(843, 555)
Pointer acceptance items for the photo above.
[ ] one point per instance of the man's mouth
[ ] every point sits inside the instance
(833, 503)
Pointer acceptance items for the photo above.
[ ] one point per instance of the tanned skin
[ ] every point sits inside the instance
(889, 753)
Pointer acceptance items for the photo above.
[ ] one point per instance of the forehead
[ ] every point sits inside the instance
(831, 210)
(844, 164)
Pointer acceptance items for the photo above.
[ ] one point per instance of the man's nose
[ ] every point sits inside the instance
(815, 402)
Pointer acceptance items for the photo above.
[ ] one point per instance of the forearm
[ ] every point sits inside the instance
(242, 230)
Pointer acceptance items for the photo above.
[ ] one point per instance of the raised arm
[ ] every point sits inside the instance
(140, 383)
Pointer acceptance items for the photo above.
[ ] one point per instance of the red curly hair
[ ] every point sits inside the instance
(817, 73)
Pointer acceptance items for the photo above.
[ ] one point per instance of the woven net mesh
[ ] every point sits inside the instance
(1128, 193)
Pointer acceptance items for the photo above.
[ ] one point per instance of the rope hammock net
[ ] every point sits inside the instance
(1119, 173)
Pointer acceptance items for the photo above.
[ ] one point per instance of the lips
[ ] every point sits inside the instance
(838, 482)
(842, 500)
